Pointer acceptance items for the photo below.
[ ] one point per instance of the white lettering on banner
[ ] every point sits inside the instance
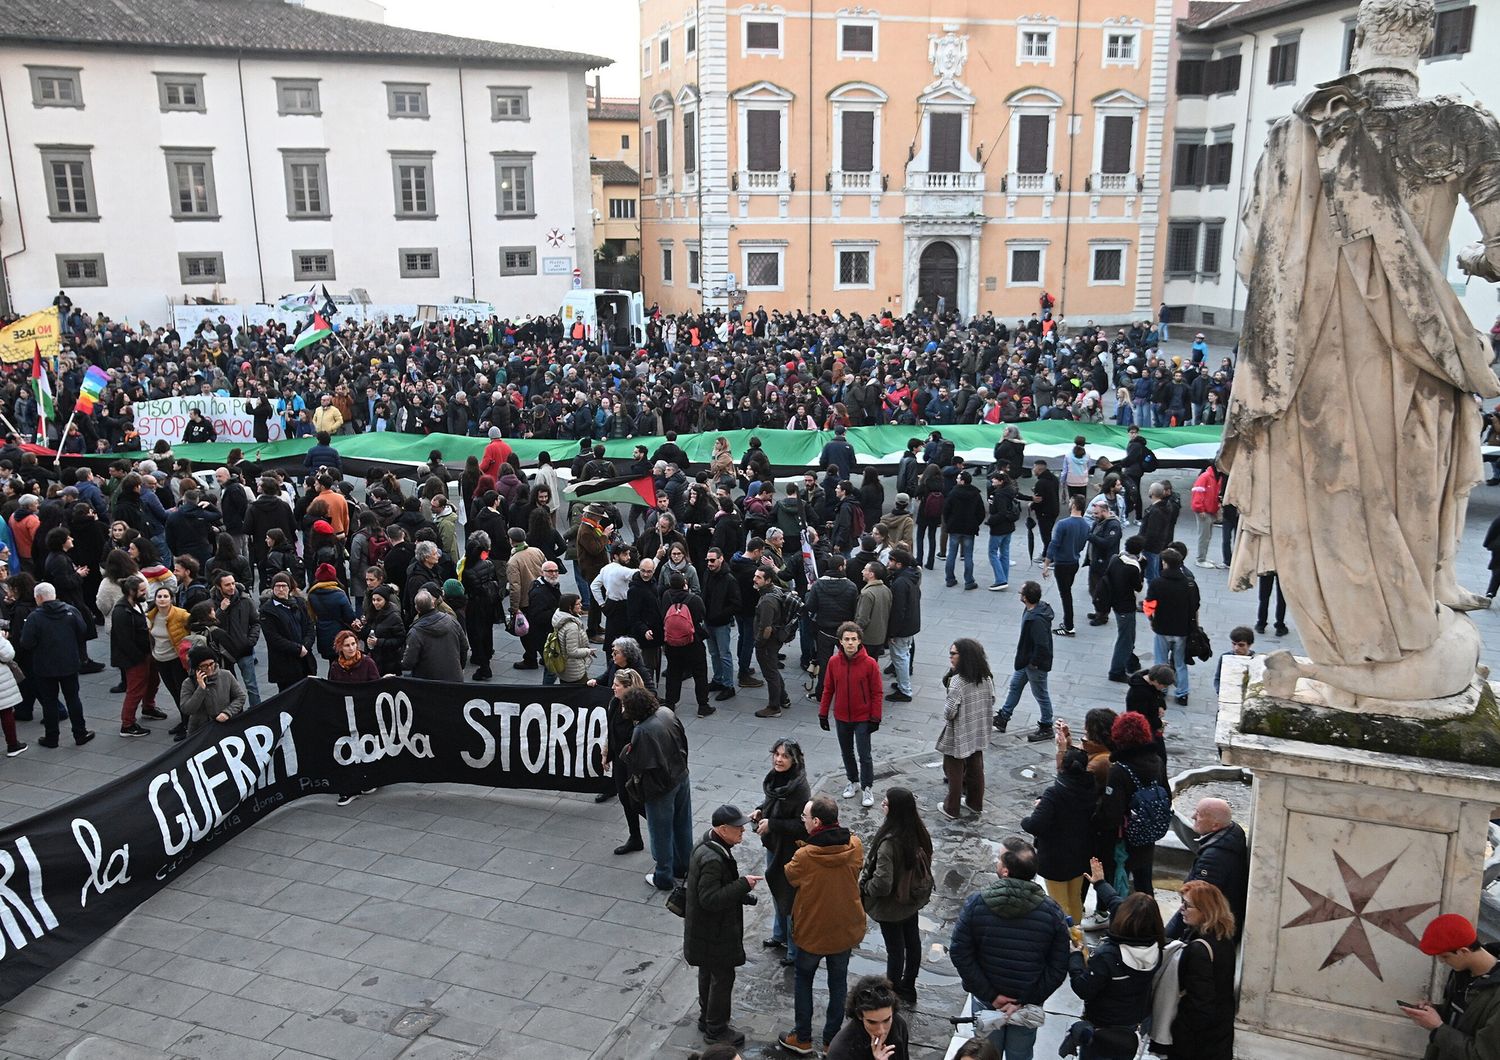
(168, 418)
(37, 917)
(103, 873)
(393, 715)
(559, 741)
(183, 820)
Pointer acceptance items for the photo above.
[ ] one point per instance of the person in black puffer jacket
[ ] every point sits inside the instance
(1061, 825)
(1134, 761)
(1115, 985)
(778, 822)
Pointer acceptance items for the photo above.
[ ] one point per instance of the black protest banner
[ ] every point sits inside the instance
(70, 874)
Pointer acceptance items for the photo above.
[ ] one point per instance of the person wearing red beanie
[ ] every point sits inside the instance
(1465, 1025)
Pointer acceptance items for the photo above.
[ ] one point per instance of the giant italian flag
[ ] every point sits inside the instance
(42, 387)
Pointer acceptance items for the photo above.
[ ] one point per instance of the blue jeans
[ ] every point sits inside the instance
(855, 735)
(1162, 332)
(1014, 1043)
(721, 655)
(746, 646)
(669, 825)
(1000, 557)
(964, 542)
(781, 922)
(1142, 412)
(901, 660)
(246, 667)
(1037, 679)
(838, 986)
(1174, 650)
(1119, 663)
(1150, 566)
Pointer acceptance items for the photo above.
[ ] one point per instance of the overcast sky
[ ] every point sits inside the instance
(610, 28)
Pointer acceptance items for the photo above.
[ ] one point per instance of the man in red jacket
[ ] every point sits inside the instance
(496, 454)
(852, 687)
(1208, 489)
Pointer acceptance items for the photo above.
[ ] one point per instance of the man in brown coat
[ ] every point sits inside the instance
(828, 920)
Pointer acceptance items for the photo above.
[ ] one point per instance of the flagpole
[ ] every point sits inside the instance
(11, 426)
(63, 437)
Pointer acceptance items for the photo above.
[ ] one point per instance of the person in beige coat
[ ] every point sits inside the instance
(524, 567)
(573, 638)
(873, 611)
(966, 728)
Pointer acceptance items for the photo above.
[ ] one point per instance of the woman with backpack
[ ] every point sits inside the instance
(929, 512)
(324, 546)
(683, 634)
(896, 884)
(227, 557)
(366, 550)
(1137, 806)
(572, 641)
(1115, 985)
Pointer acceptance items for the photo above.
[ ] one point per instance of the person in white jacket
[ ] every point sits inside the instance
(10, 695)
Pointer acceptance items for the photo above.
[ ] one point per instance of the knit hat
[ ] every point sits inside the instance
(322, 526)
(283, 578)
(1447, 933)
(203, 653)
(902, 498)
(494, 432)
(454, 588)
(325, 573)
(385, 592)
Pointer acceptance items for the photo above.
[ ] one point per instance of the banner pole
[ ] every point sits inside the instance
(57, 457)
(11, 426)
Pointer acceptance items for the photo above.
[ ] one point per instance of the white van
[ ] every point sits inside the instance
(621, 315)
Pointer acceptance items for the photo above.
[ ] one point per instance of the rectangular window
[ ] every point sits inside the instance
(666, 264)
(762, 269)
(81, 270)
(690, 142)
(518, 261)
(1115, 152)
(1222, 75)
(763, 36)
(664, 51)
(190, 175)
(1283, 68)
(1453, 32)
(1213, 246)
(663, 149)
(206, 267)
(690, 44)
(1036, 44)
(857, 39)
(857, 141)
(945, 131)
(624, 141)
(180, 91)
(1220, 164)
(70, 183)
(1348, 47)
(854, 268)
(297, 96)
(1190, 76)
(1033, 149)
(406, 101)
(1189, 161)
(1109, 265)
(694, 260)
(646, 151)
(1025, 266)
(622, 209)
(412, 176)
(763, 141)
(312, 265)
(418, 263)
(510, 104)
(306, 184)
(1119, 47)
(1182, 248)
(513, 182)
(55, 86)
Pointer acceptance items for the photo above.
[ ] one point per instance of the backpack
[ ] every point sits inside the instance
(1148, 460)
(1010, 508)
(376, 549)
(553, 657)
(932, 506)
(790, 616)
(857, 523)
(945, 453)
(1150, 812)
(678, 630)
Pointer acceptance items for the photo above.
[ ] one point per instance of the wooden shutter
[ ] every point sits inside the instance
(1033, 152)
(859, 38)
(858, 140)
(663, 160)
(1114, 156)
(763, 141)
(763, 35)
(690, 142)
(1190, 77)
(944, 142)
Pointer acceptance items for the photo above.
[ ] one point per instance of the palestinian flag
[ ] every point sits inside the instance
(41, 386)
(622, 490)
(314, 332)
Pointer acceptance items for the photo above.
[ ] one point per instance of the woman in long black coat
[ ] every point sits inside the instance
(1204, 1026)
(1060, 824)
(778, 822)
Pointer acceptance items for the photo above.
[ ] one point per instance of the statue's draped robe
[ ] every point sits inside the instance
(1352, 440)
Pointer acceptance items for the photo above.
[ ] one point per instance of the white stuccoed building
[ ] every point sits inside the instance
(1241, 66)
(244, 149)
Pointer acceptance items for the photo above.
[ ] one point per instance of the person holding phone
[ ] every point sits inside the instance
(876, 1030)
(713, 932)
(1466, 1023)
(209, 693)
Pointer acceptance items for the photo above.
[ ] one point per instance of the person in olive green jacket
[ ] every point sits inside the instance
(896, 884)
(1465, 1025)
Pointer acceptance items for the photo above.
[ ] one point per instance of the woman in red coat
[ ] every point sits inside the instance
(852, 687)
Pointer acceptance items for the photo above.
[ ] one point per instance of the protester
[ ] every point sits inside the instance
(767, 599)
(56, 641)
(239, 623)
(1172, 605)
(1465, 1024)
(1135, 764)
(876, 1030)
(1069, 538)
(896, 884)
(657, 757)
(290, 635)
(966, 713)
(1222, 859)
(714, 922)
(485, 593)
(1060, 823)
(1032, 664)
(853, 691)
(437, 648)
(210, 694)
(1204, 1025)
(619, 729)
(779, 823)
(130, 651)
(573, 641)
(1115, 984)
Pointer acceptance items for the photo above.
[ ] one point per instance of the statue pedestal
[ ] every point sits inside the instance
(1353, 853)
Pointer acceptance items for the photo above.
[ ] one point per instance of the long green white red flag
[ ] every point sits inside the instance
(315, 332)
(41, 386)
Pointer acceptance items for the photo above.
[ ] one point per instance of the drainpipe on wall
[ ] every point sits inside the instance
(260, 266)
(1062, 294)
(463, 126)
(5, 299)
(810, 112)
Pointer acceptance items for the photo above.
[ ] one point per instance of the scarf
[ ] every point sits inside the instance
(349, 664)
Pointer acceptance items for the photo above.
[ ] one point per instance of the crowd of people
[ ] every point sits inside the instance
(360, 576)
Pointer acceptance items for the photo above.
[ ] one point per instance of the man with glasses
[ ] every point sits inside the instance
(209, 693)
(713, 930)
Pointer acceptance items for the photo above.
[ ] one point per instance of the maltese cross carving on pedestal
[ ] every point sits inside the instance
(1354, 942)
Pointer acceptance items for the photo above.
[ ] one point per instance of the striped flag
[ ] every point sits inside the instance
(622, 490)
(94, 382)
(41, 386)
(315, 332)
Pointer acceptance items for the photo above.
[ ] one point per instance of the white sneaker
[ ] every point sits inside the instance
(1095, 922)
(867, 798)
(849, 790)
(1208, 564)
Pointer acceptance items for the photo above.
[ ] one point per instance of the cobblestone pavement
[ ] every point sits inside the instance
(452, 922)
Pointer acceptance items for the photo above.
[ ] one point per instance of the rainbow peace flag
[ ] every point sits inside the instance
(94, 382)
